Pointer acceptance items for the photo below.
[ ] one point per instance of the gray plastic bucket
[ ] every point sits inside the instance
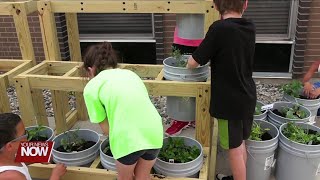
(278, 120)
(262, 116)
(189, 169)
(108, 162)
(190, 26)
(298, 161)
(173, 73)
(81, 158)
(312, 104)
(181, 108)
(261, 154)
(48, 131)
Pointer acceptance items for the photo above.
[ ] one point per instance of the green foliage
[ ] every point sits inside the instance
(298, 134)
(293, 113)
(258, 109)
(179, 57)
(176, 149)
(257, 132)
(293, 88)
(72, 141)
(35, 133)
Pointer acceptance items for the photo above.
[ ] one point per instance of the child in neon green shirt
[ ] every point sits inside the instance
(118, 100)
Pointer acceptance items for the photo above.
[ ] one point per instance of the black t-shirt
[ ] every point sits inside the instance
(229, 45)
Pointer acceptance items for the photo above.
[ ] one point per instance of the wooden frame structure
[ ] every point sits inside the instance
(64, 76)
(60, 76)
(19, 12)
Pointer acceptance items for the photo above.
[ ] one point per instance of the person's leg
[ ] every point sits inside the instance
(126, 165)
(231, 139)
(145, 164)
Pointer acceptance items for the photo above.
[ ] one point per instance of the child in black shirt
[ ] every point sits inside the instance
(229, 45)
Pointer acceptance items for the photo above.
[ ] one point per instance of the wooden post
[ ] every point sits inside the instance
(75, 55)
(19, 13)
(203, 116)
(52, 53)
(49, 32)
(23, 32)
(24, 96)
(73, 36)
(213, 148)
(58, 104)
(211, 15)
(5, 104)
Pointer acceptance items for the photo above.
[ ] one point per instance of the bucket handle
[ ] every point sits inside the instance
(272, 164)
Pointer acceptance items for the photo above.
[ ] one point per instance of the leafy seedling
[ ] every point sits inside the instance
(257, 132)
(293, 113)
(258, 109)
(36, 135)
(72, 142)
(181, 62)
(298, 134)
(293, 88)
(176, 150)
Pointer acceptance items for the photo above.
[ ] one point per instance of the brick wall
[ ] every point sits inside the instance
(9, 46)
(158, 30)
(169, 23)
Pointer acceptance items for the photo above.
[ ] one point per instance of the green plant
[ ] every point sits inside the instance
(257, 132)
(179, 57)
(298, 134)
(258, 109)
(294, 112)
(72, 141)
(176, 150)
(35, 133)
(293, 88)
(107, 150)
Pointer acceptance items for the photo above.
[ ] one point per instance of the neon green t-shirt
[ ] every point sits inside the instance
(121, 96)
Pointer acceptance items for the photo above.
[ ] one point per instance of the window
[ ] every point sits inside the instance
(96, 27)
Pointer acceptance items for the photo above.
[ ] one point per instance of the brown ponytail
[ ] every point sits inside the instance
(101, 56)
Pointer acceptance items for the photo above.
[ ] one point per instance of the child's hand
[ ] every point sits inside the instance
(58, 172)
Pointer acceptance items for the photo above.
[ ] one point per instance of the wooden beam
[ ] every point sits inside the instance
(95, 163)
(9, 63)
(17, 70)
(139, 6)
(39, 69)
(205, 167)
(5, 8)
(60, 110)
(31, 6)
(73, 36)
(71, 118)
(19, 13)
(24, 96)
(157, 88)
(73, 72)
(203, 115)
(160, 75)
(81, 107)
(61, 67)
(39, 107)
(5, 104)
(143, 70)
(43, 171)
(213, 148)
(211, 15)
(49, 31)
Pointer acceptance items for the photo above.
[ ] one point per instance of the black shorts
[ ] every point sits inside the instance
(188, 50)
(132, 158)
(233, 133)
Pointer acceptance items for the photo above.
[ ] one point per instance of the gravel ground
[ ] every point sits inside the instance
(267, 93)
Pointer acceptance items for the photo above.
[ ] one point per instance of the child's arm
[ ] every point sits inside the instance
(192, 63)
(307, 85)
(104, 125)
(58, 172)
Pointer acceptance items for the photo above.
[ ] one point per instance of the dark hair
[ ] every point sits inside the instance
(101, 55)
(8, 124)
(224, 6)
